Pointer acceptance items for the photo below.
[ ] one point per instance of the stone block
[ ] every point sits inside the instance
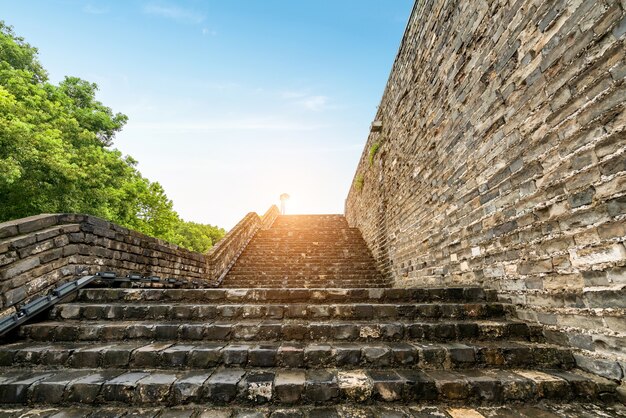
(418, 386)
(188, 387)
(377, 355)
(203, 355)
(388, 386)
(221, 387)
(320, 386)
(176, 355)
(147, 356)
(609, 369)
(354, 385)
(235, 354)
(257, 387)
(122, 387)
(346, 354)
(154, 388)
(317, 355)
(85, 390)
(290, 355)
(263, 355)
(289, 386)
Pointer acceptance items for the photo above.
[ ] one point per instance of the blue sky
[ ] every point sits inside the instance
(230, 102)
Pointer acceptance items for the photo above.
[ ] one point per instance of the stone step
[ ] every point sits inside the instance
(310, 296)
(283, 259)
(285, 330)
(236, 284)
(343, 235)
(243, 282)
(196, 312)
(318, 257)
(168, 355)
(545, 409)
(314, 241)
(305, 281)
(305, 273)
(296, 386)
(306, 276)
(288, 268)
(292, 243)
(302, 262)
(323, 249)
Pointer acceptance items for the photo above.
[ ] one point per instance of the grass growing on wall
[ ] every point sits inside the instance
(374, 150)
(358, 182)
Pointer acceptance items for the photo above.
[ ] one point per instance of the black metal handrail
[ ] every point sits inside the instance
(40, 304)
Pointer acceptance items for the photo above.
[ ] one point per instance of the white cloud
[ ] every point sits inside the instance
(315, 103)
(173, 12)
(209, 32)
(92, 9)
(306, 100)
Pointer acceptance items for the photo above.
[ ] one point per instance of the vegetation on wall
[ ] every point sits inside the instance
(374, 150)
(56, 154)
(358, 182)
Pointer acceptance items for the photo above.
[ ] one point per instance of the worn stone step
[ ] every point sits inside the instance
(302, 262)
(235, 284)
(321, 281)
(335, 230)
(545, 409)
(298, 257)
(243, 282)
(285, 330)
(296, 260)
(312, 284)
(306, 239)
(312, 276)
(321, 242)
(167, 355)
(310, 296)
(198, 312)
(288, 269)
(296, 386)
(322, 251)
(306, 275)
(272, 281)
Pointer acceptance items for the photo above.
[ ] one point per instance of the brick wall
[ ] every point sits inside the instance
(40, 252)
(501, 163)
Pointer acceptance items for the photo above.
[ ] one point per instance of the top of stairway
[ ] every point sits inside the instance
(306, 251)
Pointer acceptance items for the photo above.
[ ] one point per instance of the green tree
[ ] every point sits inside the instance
(198, 236)
(56, 155)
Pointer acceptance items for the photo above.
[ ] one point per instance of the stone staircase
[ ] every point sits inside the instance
(335, 350)
(306, 251)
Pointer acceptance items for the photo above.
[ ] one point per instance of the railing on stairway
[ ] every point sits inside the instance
(222, 257)
(42, 303)
(40, 253)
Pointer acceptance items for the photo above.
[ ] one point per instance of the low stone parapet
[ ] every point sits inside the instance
(39, 252)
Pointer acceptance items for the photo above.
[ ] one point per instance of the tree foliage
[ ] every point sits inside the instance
(56, 155)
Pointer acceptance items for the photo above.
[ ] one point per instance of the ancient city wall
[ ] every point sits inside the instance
(40, 252)
(501, 162)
